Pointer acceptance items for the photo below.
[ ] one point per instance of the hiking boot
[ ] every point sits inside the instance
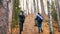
(35, 25)
(41, 30)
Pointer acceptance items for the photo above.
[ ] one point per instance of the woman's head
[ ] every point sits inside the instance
(21, 12)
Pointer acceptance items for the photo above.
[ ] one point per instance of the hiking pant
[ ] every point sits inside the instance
(39, 26)
(21, 27)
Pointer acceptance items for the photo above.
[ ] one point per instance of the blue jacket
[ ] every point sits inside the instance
(39, 20)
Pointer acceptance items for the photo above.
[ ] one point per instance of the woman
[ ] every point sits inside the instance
(22, 19)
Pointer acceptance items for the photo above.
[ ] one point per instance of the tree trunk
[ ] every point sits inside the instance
(50, 17)
(31, 7)
(3, 21)
(57, 8)
(37, 7)
(10, 6)
(34, 6)
(42, 8)
(3, 17)
(27, 8)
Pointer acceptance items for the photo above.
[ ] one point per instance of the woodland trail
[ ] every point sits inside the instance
(29, 27)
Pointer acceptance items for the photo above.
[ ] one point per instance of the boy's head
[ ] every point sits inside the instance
(39, 13)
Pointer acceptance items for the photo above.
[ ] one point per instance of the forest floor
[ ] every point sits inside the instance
(29, 27)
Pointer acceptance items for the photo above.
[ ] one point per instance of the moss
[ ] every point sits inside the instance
(15, 13)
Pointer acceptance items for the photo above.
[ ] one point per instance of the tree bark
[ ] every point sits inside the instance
(27, 6)
(3, 23)
(50, 17)
(37, 7)
(3, 17)
(34, 6)
(58, 10)
(10, 6)
(42, 8)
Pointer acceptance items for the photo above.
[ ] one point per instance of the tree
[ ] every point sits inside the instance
(31, 7)
(42, 8)
(50, 17)
(54, 11)
(4, 14)
(0, 2)
(34, 4)
(58, 10)
(10, 7)
(15, 17)
(37, 9)
(27, 8)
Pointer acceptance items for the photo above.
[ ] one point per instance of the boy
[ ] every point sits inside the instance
(39, 20)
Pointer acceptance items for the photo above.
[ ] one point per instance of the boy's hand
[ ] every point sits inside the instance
(35, 22)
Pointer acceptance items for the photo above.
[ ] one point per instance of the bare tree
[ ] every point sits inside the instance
(34, 6)
(42, 8)
(4, 14)
(27, 8)
(23, 5)
(2, 20)
(31, 7)
(57, 8)
(8, 17)
(50, 17)
(10, 7)
(37, 7)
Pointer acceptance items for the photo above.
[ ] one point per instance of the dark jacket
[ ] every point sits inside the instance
(39, 20)
(22, 18)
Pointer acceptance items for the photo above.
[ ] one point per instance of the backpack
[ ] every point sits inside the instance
(39, 18)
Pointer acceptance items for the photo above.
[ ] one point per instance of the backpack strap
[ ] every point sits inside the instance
(40, 16)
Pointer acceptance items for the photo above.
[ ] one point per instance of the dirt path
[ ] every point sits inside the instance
(29, 27)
